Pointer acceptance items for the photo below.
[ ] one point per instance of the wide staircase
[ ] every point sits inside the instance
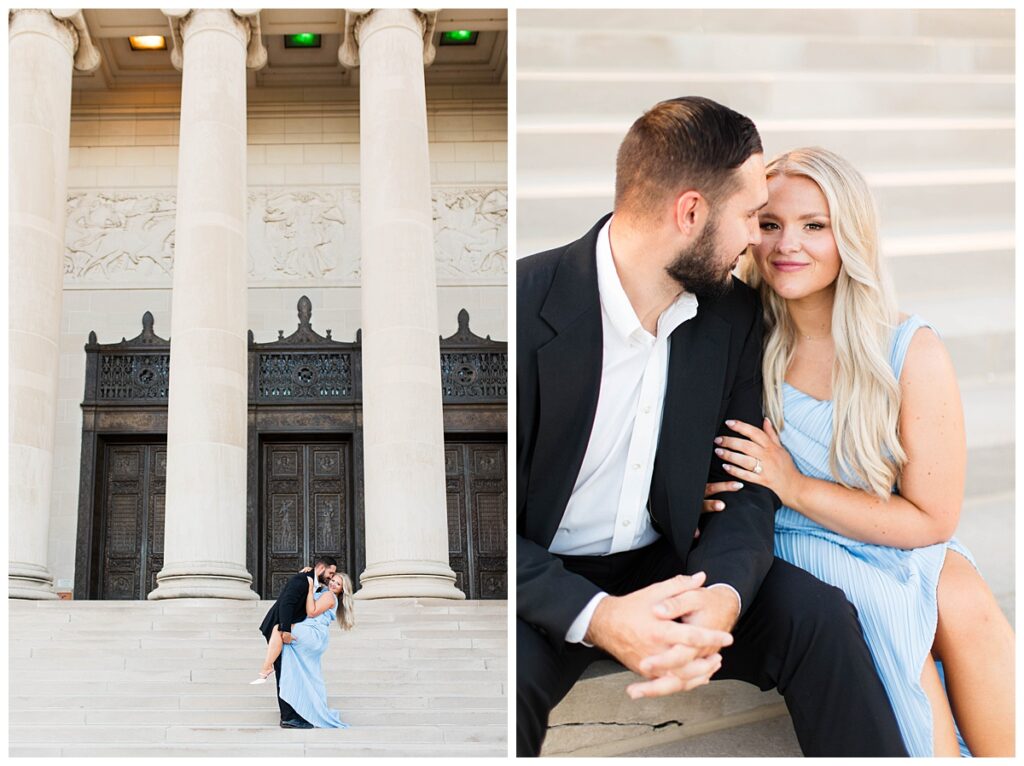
(171, 678)
(922, 102)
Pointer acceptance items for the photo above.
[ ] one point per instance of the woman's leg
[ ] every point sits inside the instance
(273, 651)
(974, 642)
(943, 732)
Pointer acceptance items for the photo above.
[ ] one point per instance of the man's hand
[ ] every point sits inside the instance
(286, 638)
(628, 628)
(710, 608)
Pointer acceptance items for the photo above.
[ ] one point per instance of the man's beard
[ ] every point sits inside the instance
(323, 579)
(696, 268)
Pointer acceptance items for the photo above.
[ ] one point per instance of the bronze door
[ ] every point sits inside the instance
(132, 519)
(477, 517)
(305, 510)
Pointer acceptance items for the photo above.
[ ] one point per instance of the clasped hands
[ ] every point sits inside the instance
(640, 630)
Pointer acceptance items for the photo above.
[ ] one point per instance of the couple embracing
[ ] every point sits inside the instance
(296, 630)
(665, 521)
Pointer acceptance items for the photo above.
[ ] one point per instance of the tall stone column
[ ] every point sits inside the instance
(44, 48)
(403, 432)
(205, 507)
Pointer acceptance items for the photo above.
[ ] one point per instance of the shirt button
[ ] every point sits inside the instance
(647, 409)
(625, 522)
(636, 466)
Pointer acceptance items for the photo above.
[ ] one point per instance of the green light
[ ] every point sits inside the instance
(302, 40)
(459, 37)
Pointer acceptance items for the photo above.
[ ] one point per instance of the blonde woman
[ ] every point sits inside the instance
(302, 682)
(864, 445)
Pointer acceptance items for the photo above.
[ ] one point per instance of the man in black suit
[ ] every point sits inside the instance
(290, 608)
(636, 347)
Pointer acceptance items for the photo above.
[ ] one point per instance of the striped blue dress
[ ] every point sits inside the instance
(893, 589)
(302, 682)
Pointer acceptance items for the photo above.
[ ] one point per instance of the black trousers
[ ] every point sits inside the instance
(799, 635)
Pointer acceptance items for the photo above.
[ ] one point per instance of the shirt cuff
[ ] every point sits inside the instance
(727, 585)
(579, 626)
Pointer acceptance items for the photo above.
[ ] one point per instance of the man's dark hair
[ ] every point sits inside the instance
(682, 144)
(327, 561)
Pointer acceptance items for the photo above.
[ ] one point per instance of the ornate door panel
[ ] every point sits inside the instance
(477, 517)
(304, 511)
(132, 523)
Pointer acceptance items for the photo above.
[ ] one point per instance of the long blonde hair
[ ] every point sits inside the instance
(344, 610)
(865, 452)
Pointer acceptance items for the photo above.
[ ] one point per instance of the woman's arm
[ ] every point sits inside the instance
(310, 601)
(931, 431)
(316, 607)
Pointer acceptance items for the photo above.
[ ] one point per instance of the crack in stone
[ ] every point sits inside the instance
(651, 726)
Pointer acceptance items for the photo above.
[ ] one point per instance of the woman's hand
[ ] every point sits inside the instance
(761, 449)
(715, 488)
(714, 506)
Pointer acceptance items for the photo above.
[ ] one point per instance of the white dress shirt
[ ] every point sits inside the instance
(607, 510)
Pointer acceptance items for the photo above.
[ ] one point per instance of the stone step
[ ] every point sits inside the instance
(267, 716)
(978, 271)
(95, 659)
(552, 217)
(563, 151)
(684, 49)
(495, 687)
(231, 699)
(140, 733)
(983, 196)
(426, 656)
(597, 711)
(147, 678)
(626, 95)
(263, 750)
(905, 24)
(988, 412)
(770, 738)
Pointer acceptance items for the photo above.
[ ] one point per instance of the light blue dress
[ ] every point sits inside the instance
(302, 682)
(893, 589)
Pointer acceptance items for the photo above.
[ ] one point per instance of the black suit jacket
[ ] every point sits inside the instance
(290, 606)
(714, 374)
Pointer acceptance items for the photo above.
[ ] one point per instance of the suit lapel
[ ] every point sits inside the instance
(569, 379)
(693, 401)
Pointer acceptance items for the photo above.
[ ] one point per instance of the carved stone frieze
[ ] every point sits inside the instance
(295, 236)
(116, 237)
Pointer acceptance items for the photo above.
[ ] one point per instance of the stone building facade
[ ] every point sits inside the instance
(206, 194)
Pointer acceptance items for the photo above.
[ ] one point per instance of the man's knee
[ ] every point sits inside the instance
(827, 615)
(811, 609)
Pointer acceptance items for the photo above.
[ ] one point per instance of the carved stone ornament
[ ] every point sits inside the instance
(244, 23)
(348, 52)
(294, 236)
(65, 25)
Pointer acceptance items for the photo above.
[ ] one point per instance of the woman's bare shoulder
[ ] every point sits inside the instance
(927, 363)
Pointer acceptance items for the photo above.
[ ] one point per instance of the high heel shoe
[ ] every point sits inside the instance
(263, 678)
